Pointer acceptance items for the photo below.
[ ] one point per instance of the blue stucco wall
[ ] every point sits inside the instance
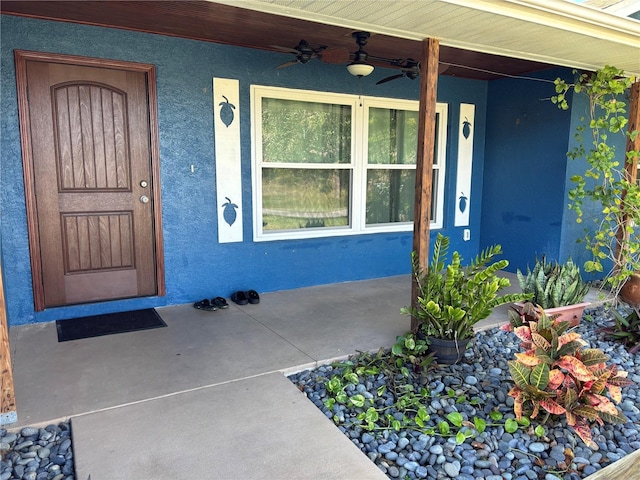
(525, 169)
(196, 265)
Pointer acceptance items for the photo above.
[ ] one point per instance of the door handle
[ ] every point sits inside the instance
(144, 199)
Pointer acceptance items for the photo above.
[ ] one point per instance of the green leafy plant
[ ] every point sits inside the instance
(453, 298)
(558, 375)
(609, 180)
(625, 329)
(411, 350)
(409, 406)
(553, 284)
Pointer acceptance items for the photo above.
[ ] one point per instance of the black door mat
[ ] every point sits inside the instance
(108, 324)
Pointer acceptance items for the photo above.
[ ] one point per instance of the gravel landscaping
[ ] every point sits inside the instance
(478, 387)
(37, 453)
(475, 388)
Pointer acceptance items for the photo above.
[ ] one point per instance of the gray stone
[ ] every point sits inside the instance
(452, 468)
(18, 471)
(23, 445)
(422, 472)
(10, 437)
(393, 472)
(411, 466)
(595, 458)
(589, 470)
(627, 406)
(482, 463)
(29, 432)
(436, 449)
(44, 452)
(537, 447)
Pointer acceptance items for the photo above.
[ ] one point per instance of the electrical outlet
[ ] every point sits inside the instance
(466, 234)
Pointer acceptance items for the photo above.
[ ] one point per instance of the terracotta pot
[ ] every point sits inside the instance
(630, 291)
(568, 313)
(447, 352)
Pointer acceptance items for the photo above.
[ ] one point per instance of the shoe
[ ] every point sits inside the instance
(205, 305)
(240, 298)
(253, 297)
(219, 302)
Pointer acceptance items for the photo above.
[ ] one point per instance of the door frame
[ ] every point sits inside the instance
(21, 59)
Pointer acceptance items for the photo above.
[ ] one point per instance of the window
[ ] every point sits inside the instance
(329, 164)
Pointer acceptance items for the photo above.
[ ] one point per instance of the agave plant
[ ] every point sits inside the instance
(553, 284)
(559, 375)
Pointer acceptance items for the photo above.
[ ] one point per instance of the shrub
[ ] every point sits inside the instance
(559, 375)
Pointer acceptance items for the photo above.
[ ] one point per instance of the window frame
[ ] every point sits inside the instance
(358, 164)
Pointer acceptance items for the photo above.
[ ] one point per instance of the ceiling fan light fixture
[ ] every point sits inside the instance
(359, 69)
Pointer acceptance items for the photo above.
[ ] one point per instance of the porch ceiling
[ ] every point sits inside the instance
(550, 31)
(512, 37)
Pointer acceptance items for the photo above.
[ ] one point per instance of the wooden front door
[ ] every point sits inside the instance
(89, 138)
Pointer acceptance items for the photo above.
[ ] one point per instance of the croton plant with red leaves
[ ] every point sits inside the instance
(558, 374)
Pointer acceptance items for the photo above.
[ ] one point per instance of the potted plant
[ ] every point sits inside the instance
(557, 288)
(453, 298)
(606, 195)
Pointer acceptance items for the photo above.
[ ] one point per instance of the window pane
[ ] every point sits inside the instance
(390, 196)
(436, 144)
(305, 132)
(294, 198)
(393, 136)
(434, 196)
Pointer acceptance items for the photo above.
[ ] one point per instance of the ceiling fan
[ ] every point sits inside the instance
(409, 68)
(359, 67)
(304, 52)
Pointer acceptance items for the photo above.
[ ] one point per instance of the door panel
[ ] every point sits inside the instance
(96, 205)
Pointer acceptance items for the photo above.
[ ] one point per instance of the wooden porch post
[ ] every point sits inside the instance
(631, 168)
(8, 404)
(424, 162)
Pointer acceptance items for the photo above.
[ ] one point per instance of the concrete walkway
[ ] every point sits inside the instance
(206, 397)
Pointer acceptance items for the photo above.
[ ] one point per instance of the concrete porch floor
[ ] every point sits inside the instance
(206, 397)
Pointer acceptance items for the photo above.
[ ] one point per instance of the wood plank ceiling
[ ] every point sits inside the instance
(230, 25)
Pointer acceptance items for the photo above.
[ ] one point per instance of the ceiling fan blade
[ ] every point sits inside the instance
(287, 64)
(388, 79)
(335, 55)
(285, 49)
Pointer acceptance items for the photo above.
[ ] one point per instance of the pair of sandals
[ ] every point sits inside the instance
(211, 305)
(242, 298)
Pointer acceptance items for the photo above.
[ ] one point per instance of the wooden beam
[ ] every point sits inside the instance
(424, 162)
(8, 412)
(627, 467)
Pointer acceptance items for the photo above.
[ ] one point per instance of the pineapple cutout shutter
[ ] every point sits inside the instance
(226, 126)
